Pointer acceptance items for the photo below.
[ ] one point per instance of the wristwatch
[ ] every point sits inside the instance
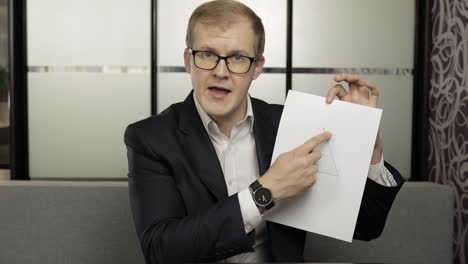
(262, 197)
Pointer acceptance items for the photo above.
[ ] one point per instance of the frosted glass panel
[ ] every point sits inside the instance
(172, 29)
(396, 100)
(77, 122)
(358, 33)
(270, 88)
(89, 32)
(174, 88)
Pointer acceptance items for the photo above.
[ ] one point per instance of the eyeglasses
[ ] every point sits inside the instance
(207, 60)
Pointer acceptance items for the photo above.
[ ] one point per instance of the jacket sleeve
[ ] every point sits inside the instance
(166, 233)
(376, 203)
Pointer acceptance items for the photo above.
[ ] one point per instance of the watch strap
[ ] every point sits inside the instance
(270, 205)
(255, 185)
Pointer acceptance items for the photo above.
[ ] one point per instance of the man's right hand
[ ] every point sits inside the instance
(294, 171)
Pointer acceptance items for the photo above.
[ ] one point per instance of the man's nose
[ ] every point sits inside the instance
(221, 70)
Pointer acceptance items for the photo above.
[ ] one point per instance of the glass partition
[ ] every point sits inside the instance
(88, 78)
(371, 38)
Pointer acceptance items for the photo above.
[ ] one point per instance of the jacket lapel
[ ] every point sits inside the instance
(265, 129)
(200, 151)
(202, 154)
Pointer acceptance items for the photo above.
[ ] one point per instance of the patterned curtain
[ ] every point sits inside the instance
(448, 110)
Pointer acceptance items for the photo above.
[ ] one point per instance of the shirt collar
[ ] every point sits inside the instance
(207, 121)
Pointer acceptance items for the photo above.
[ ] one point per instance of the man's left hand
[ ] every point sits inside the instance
(360, 92)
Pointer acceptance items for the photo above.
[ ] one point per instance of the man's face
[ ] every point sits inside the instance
(221, 93)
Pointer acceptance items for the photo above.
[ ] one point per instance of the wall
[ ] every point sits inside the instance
(89, 70)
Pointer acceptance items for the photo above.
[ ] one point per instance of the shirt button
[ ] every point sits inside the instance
(249, 227)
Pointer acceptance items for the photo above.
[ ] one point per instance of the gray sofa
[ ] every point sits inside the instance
(90, 222)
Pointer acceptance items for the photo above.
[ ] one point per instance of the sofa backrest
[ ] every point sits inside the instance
(66, 222)
(419, 229)
(90, 222)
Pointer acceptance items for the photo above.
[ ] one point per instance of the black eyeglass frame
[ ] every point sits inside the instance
(251, 59)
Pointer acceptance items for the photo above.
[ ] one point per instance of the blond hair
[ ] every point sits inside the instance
(224, 13)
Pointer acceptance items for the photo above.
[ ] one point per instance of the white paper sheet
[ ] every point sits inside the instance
(330, 207)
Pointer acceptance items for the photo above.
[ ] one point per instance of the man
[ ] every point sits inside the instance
(199, 172)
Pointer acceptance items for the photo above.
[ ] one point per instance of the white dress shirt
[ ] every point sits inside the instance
(238, 159)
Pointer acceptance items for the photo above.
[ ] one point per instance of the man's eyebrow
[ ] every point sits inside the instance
(232, 52)
(206, 48)
(240, 52)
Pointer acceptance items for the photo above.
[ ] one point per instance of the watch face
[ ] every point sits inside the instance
(263, 196)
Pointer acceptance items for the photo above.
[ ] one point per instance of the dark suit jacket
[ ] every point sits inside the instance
(179, 200)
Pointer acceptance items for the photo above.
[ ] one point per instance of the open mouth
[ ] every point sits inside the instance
(219, 91)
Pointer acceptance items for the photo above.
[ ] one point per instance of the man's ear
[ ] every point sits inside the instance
(187, 57)
(258, 67)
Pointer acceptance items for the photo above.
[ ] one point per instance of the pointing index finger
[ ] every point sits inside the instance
(313, 142)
